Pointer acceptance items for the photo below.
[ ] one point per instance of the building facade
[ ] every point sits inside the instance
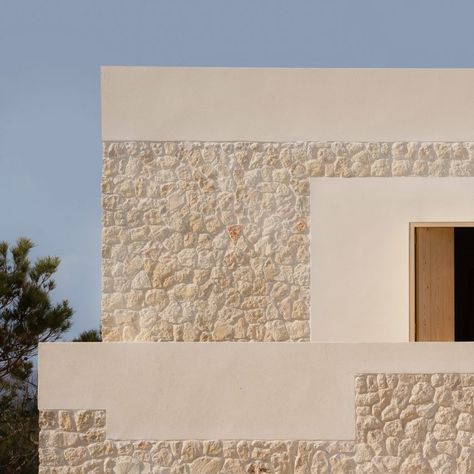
(262, 312)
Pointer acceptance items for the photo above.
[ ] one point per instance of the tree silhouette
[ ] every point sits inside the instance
(27, 317)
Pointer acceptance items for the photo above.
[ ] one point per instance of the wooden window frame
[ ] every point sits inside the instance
(412, 295)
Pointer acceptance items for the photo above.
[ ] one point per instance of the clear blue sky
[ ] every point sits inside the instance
(51, 52)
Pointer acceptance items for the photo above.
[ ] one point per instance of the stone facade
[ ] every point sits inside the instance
(210, 241)
(205, 242)
(420, 423)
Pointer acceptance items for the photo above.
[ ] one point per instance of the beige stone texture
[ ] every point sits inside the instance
(205, 242)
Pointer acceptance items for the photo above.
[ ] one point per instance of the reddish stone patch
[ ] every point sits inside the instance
(301, 225)
(234, 232)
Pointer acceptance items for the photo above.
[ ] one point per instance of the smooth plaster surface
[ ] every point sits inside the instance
(228, 390)
(275, 104)
(360, 251)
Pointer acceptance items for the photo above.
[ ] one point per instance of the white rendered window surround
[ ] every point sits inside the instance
(360, 251)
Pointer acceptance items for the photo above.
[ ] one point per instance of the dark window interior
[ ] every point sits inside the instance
(464, 283)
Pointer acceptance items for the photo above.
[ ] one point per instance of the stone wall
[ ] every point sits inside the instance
(210, 241)
(420, 423)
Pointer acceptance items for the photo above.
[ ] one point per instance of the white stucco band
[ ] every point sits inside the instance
(273, 104)
(360, 251)
(228, 390)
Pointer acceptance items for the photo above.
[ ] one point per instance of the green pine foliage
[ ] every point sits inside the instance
(93, 335)
(27, 317)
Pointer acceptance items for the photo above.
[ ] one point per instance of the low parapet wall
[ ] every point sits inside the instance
(229, 390)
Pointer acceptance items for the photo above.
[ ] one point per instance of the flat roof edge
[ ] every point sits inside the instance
(286, 104)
